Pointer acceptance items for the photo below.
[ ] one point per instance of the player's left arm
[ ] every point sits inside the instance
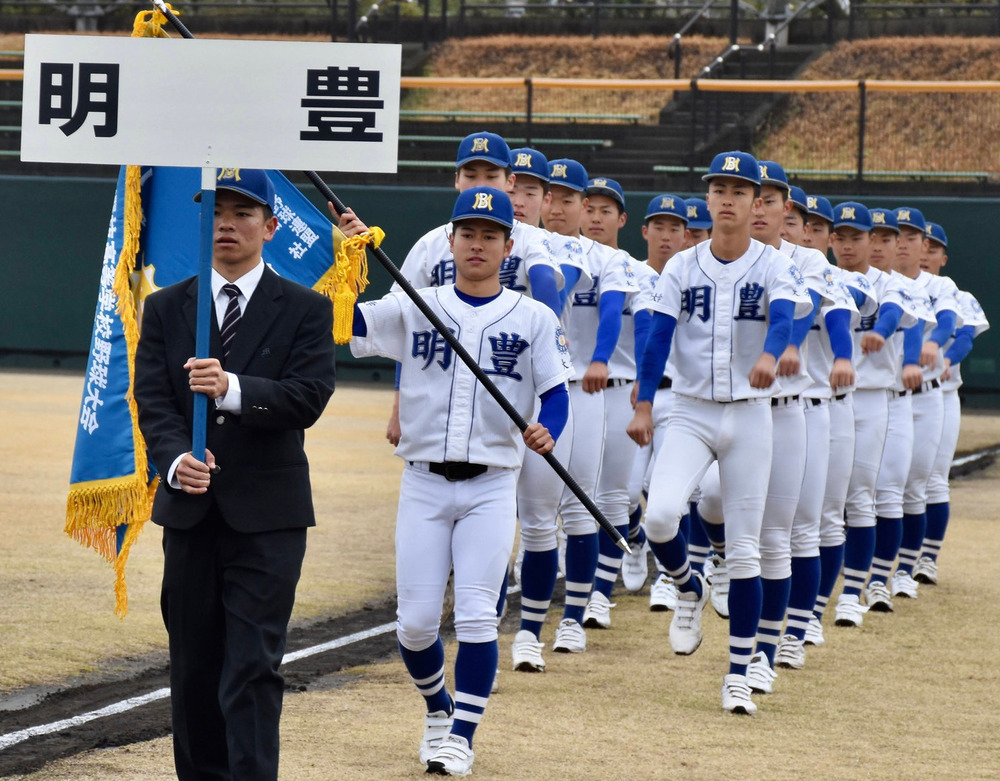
(552, 416)
(609, 328)
(545, 286)
(913, 338)
(790, 361)
(942, 332)
(780, 313)
(838, 328)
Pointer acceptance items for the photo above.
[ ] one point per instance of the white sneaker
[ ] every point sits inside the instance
(709, 569)
(453, 758)
(561, 542)
(635, 568)
(527, 653)
(760, 676)
(685, 626)
(597, 614)
(437, 726)
(662, 594)
(720, 586)
(791, 653)
(850, 611)
(877, 597)
(814, 632)
(736, 695)
(903, 585)
(926, 571)
(570, 638)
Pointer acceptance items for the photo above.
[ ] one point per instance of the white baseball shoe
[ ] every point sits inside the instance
(877, 597)
(926, 571)
(453, 758)
(814, 632)
(760, 675)
(570, 638)
(635, 568)
(850, 611)
(903, 585)
(791, 653)
(597, 614)
(437, 725)
(527, 653)
(736, 695)
(662, 594)
(685, 626)
(720, 586)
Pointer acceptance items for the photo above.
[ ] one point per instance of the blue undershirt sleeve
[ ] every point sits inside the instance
(800, 328)
(889, 315)
(913, 341)
(543, 286)
(654, 357)
(640, 322)
(945, 327)
(359, 327)
(399, 370)
(838, 325)
(609, 326)
(858, 296)
(571, 275)
(962, 345)
(779, 330)
(554, 411)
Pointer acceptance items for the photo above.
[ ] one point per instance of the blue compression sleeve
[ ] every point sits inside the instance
(358, 326)
(543, 286)
(962, 345)
(654, 357)
(779, 329)
(800, 328)
(572, 275)
(858, 296)
(889, 315)
(913, 341)
(399, 371)
(838, 325)
(609, 327)
(640, 322)
(554, 411)
(945, 327)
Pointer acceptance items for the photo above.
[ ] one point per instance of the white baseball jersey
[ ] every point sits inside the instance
(881, 369)
(722, 316)
(972, 314)
(431, 264)
(610, 270)
(444, 412)
(941, 293)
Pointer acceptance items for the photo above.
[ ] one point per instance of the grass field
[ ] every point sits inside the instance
(910, 695)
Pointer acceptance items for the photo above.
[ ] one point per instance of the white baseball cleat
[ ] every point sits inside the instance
(685, 626)
(597, 614)
(527, 653)
(850, 611)
(453, 758)
(877, 597)
(760, 675)
(791, 653)
(926, 571)
(570, 638)
(720, 586)
(736, 695)
(662, 594)
(814, 632)
(635, 568)
(903, 585)
(437, 725)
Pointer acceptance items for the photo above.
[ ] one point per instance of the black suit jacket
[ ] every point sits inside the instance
(283, 354)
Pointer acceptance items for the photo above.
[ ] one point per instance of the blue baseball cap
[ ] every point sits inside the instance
(529, 162)
(568, 173)
(909, 217)
(697, 214)
(254, 183)
(936, 233)
(484, 203)
(773, 174)
(736, 165)
(852, 214)
(885, 219)
(483, 146)
(797, 197)
(819, 206)
(669, 205)
(608, 187)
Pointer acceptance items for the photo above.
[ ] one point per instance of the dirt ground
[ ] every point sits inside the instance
(912, 694)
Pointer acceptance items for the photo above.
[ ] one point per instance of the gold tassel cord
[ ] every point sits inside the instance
(348, 277)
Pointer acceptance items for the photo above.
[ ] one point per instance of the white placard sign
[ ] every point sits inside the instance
(198, 103)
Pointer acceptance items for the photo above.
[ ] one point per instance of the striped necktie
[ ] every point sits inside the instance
(231, 322)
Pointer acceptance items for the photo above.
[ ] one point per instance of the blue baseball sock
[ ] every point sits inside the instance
(717, 536)
(774, 602)
(426, 669)
(503, 593)
(888, 535)
(609, 561)
(745, 598)
(581, 566)
(831, 559)
(802, 597)
(686, 526)
(539, 570)
(673, 554)
(858, 552)
(913, 539)
(636, 534)
(699, 546)
(475, 667)
(937, 524)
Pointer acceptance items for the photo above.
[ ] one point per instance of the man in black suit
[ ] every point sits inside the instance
(234, 525)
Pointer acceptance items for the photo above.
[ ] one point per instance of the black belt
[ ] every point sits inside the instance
(456, 470)
(817, 402)
(613, 382)
(784, 400)
(927, 386)
(666, 382)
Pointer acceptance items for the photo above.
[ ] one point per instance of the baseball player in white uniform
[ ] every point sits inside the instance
(723, 314)
(699, 225)
(974, 322)
(457, 498)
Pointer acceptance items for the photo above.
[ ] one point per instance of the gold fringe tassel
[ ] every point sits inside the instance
(347, 278)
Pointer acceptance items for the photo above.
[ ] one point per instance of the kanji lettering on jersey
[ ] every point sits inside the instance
(750, 296)
(506, 349)
(697, 298)
(443, 273)
(430, 344)
(508, 273)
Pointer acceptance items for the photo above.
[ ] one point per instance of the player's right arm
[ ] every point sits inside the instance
(913, 341)
(654, 361)
(780, 313)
